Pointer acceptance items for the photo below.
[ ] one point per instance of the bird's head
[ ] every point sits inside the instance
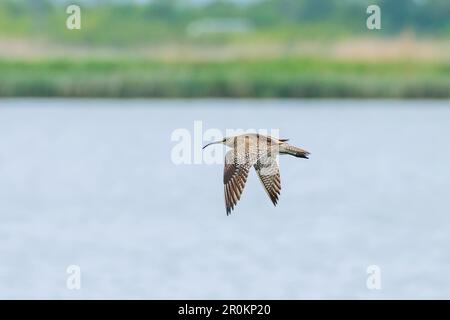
(216, 142)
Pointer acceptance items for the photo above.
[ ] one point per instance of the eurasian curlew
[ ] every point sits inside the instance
(260, 152)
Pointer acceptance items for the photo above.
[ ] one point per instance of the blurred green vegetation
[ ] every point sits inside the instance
(126, 23)
(306, 77)
(126, 26)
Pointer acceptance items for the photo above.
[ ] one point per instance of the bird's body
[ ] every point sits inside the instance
(260, 152)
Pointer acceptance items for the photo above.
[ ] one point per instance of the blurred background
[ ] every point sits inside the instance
(87, 177)
(225, 48)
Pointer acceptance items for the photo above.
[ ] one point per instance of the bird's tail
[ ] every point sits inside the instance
(294, 151)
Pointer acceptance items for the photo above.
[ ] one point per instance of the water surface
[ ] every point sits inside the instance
(91, 183)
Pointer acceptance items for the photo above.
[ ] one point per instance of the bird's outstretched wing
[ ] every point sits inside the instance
(269, 174)
(235, 175)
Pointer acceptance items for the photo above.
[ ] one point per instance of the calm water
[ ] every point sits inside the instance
(91, 183)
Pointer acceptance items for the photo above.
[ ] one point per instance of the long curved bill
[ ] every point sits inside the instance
(215, 142)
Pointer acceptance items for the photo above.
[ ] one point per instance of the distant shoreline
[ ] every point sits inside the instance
(240, 78)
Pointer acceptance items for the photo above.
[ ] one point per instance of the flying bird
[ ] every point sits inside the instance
(260, 152)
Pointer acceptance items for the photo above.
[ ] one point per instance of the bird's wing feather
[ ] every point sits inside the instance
(235, 175)
(269, 174)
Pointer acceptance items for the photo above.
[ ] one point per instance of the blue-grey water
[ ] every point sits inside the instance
(91, 183)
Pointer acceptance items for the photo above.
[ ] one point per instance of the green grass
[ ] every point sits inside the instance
(293, 77)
